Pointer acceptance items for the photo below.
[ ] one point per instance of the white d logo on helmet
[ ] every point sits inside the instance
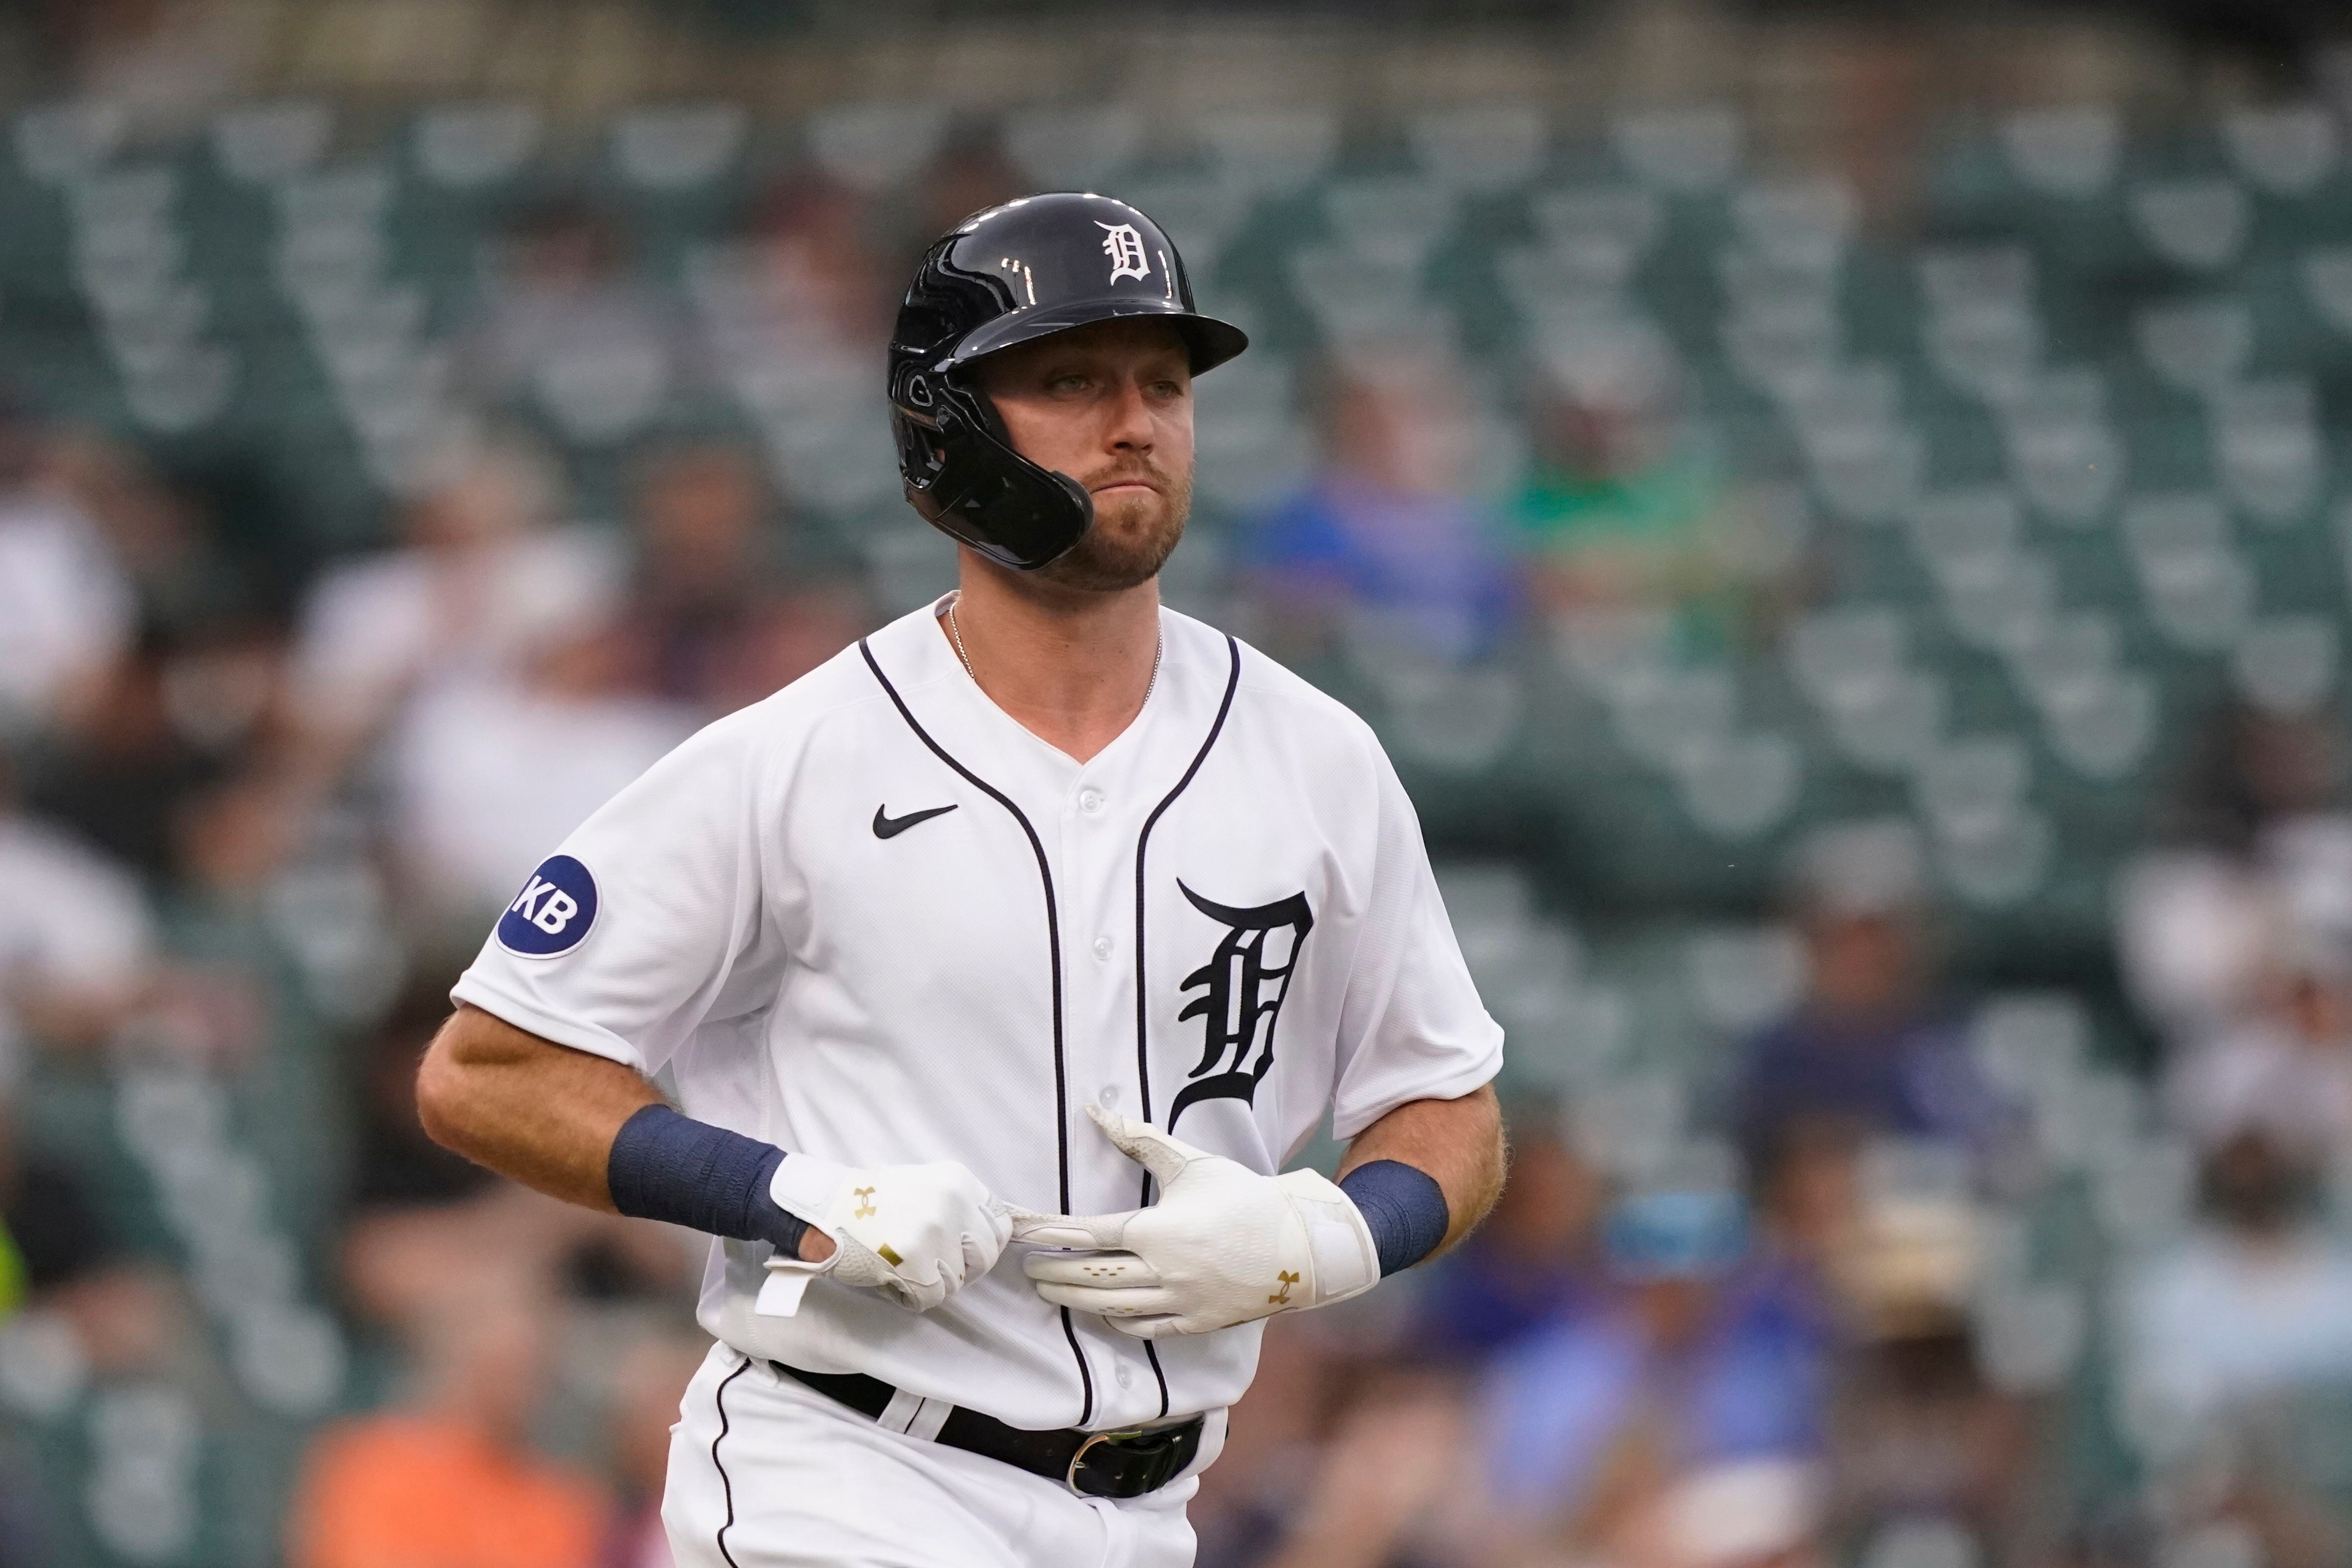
(1125, 249)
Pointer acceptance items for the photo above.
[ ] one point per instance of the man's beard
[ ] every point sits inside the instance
(1125, 551)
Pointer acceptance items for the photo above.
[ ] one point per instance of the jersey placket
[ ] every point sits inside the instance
(1097, 820)
(1088, 816)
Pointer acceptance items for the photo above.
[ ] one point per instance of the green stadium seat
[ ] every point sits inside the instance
(260, 144)
(1681, 151)
(470, 147)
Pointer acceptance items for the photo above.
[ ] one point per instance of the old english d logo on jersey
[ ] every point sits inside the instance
(1243, 984)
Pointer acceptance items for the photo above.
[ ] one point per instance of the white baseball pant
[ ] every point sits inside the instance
(765, 1472)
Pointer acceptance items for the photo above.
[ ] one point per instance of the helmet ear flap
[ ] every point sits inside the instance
(963, 475)
(914, 426)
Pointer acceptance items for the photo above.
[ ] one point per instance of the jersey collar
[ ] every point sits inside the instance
(914, 654)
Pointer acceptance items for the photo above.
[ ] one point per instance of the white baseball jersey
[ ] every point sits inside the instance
(874, 919)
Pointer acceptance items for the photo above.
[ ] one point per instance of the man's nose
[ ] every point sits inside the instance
(1130, 424)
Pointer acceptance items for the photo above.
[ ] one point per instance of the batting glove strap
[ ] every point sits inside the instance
(1224, 1244)
(918, 1234)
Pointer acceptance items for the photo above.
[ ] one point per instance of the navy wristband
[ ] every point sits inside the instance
(671, 1167)
(1404, 1208)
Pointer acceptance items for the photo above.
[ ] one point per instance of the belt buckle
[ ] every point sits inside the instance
(1078, 1459)
(1162, 1449)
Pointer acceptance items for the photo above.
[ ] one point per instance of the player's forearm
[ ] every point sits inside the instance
(528, 1109)
(1458, 1143)
(593, 1132)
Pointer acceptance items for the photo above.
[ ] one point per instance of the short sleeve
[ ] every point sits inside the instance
(1412, 1027)
(647, 921)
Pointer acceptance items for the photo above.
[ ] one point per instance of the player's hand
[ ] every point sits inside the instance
(915, 1233)
(1222, 1245)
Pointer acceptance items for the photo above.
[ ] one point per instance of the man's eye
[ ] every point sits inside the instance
(1067, 384)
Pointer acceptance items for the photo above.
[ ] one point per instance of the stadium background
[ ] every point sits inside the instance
(1835, 511)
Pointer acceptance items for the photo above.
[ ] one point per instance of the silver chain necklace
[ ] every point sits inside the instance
(955, 635)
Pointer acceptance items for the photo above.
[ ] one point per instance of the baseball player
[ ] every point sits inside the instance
(997, 966)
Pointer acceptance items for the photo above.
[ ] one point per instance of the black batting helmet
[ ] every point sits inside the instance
(1006, 276)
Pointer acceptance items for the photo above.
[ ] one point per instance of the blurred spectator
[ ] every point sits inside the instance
(1274, 1440)
(232, 837)
(1391, 1483)
(488, 775)
(1622, 505)
(2274, 1501)
(2197, 914)
(804, 295)
(2235, 1356)
(1918, 1433)
(648, 1387)
(60, 1255)
(79, 958)
(1335, 1458)
(1884, 1235)
(2287, 1068)
(164, 725)
(1590, 1431)
(569, 325)
(453, 1479)
(1532, 1260)
(2252, 770)
(66, 609)
(1870, 1045)
(192, 680)
(730, 602)
(706, 544)
(1385, 542)
(422, 1221)
(77, 944)
(788, 639)
(480, 579)
(1806, 1184)
(2258, 1300)
(1744, 1514)
(395, 1168)
(169, 539)
(50, 1235)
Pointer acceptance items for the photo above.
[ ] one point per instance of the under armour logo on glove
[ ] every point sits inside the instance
(1198, 1260)
(945, 1230)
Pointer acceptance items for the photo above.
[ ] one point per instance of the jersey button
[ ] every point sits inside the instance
(1125, 1378)
(1102, 947)
(1090, 800)
(1107, 1096)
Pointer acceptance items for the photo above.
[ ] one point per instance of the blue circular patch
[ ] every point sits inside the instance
(552, 912)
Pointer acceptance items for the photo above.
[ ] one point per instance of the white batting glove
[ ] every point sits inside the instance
(1222, 1245)
(915, 1233)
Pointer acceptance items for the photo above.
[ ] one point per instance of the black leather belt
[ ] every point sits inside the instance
(1091, 1464)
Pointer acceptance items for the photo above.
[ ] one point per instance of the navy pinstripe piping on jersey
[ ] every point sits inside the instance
(1143, 1030)
(718, 1399)
(1054, 949)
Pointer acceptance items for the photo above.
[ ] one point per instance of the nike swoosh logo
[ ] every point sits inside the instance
(888, 826)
